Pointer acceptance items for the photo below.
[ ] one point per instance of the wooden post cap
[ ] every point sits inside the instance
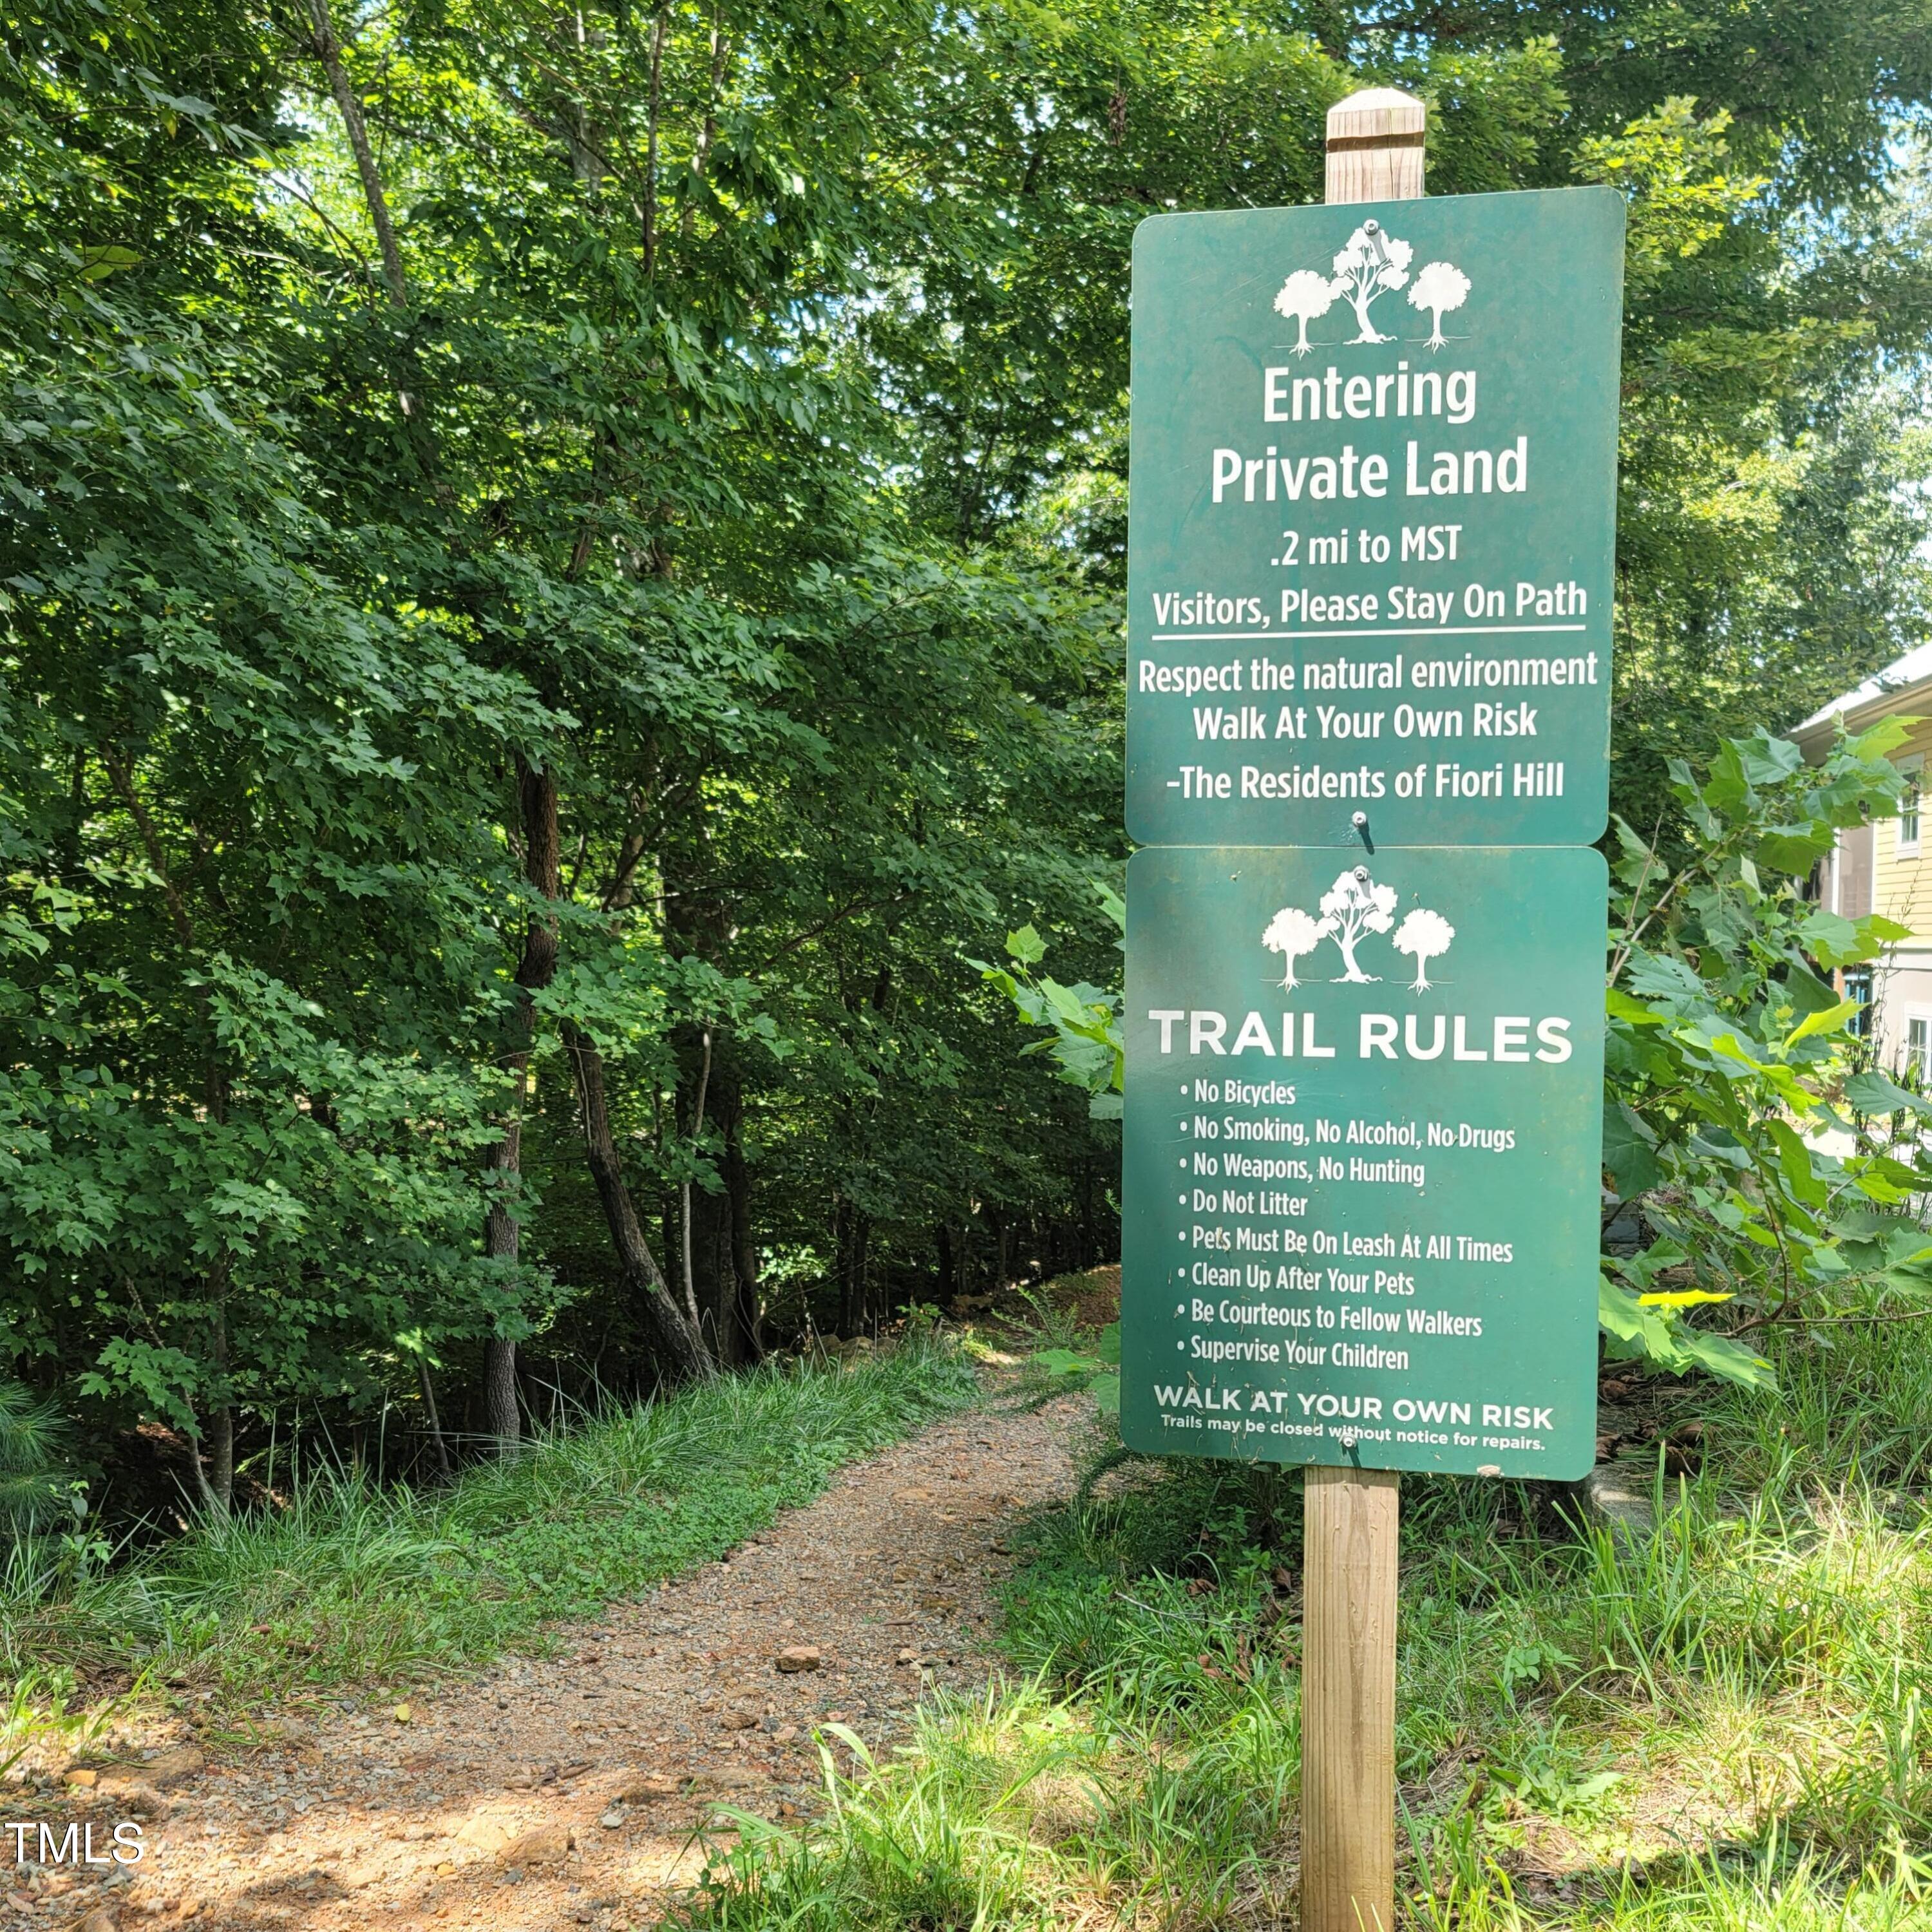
(1375, 146)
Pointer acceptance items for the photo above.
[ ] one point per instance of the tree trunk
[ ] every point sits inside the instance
(503, 1416)
(1087, 1243)
(741, 1313)
(709, 1253)
(714, 1267)
(327, 45)
(221, 1457)
(841, 1262)
(679, 1345)
(685, 1258)
(328, 51)
(852, 1238)
(537, 805)
(750, 1290)
(214, 1451)
(215, 1479)
(428, 1388)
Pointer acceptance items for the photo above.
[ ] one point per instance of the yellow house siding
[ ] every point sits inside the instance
(1902, 881)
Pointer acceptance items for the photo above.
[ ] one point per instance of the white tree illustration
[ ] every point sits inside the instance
(1353, 907)
(1292, 932)
(1304, 297)
(1426, 935)
(1373, 262)
(1439, 287)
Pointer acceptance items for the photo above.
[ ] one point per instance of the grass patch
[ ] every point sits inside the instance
(1724, 1728)
(348, 1582)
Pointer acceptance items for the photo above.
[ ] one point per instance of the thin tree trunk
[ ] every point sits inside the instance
(502, 1234)
(678, 1340)
(696, 1133)
(659, 29)
(1087, 1246)
(502, 1418)
(328, 51)
(328, 47)
(215, 1479)
(747, 1302)
(842, 1261)
(707, 132)
(428, 1388)
(221, 1457)
(852, 1240)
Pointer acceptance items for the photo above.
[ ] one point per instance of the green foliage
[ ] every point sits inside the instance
(1726, 1070)
(37, 1482)
(1086, 1042)
(1097, 1369)
(699, 435)
(311, 559)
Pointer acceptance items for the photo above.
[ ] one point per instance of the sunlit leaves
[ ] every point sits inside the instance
(1730, 1063)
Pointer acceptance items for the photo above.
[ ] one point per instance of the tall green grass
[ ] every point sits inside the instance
(349, 1581)
(1723, 1726)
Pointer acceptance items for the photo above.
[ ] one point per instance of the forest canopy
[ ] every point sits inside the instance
(562, 575)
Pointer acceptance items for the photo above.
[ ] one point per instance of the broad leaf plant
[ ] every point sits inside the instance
(1776, 1178)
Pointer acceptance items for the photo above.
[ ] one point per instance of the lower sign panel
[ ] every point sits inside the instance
(1363, 1157)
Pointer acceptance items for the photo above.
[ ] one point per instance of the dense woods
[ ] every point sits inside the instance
(561, 571)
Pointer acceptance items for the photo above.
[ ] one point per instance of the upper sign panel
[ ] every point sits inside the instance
(1372, 522)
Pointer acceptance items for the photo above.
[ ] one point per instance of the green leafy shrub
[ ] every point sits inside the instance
(1728, 1074)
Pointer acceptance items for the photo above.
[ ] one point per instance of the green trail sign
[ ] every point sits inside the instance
(1362, 1157)
(1372, 523)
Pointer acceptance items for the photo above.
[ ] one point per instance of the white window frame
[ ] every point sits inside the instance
(1920, 1017)
(1911, 806)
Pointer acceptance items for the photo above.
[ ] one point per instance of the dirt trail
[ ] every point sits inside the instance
(564, 1792)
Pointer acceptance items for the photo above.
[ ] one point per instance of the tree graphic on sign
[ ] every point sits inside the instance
(1373, 263)
(1425, 935)
(1304, 297)
(1439, 288)
(1351, 909)
(1293, 932)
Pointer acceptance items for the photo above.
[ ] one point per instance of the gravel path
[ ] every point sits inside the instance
(566, 1792)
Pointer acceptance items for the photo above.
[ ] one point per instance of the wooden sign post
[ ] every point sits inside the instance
(1347, 1700)
(1349, 1516)
(1370, 579)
